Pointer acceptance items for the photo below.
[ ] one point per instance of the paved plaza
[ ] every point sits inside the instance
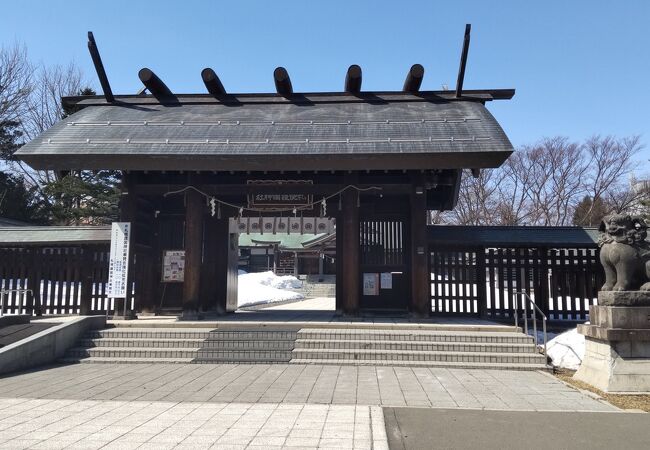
(302, 384)
(237, 406)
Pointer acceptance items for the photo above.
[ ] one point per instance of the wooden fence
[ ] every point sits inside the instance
(54, 280)
(482, 281)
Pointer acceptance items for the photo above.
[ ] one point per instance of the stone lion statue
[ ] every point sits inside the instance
(625, 253)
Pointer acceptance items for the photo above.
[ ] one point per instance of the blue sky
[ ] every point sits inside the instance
(579, 67)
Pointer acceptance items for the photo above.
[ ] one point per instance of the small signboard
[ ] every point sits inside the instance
(370, 284)
(173, 266)
(283, 199)
(386, 280)
(118, 267)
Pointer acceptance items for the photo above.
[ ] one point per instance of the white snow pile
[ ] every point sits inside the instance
(266, 287)
(567, 349)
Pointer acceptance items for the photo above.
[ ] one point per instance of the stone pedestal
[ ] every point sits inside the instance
(617, 347)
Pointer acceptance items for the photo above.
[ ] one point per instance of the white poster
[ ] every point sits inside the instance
(118, 267)
(386, 280)
(173, 266)
(370, 284)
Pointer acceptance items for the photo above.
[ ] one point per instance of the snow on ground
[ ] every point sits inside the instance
(266, 287)
(567, 349)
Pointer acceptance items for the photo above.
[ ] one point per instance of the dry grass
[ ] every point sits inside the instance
(622, 401)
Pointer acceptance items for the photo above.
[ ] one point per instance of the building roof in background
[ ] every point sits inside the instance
(321, 131)
(284, 241)
(6, 222)
(55, 235)
(512, 235)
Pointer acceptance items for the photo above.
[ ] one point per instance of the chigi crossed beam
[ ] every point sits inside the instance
(283, 86)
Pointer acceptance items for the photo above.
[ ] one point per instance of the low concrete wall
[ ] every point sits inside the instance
(48, 345)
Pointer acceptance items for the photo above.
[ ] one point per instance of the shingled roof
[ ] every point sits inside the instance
(323, 131)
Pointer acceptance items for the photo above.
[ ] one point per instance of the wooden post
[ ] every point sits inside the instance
(420, 279)
(543, 282)
(350, 261)
(481, 282)
(128, 213)
(194, 203)
(34, 282)
(215, 265)
(86, 281)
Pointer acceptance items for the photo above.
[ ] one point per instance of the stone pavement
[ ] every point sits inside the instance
(86, 424)
(299, 384)
(237, 406)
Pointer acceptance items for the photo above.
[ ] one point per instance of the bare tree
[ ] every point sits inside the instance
(44, 107)
(15, 82)
(542, 184)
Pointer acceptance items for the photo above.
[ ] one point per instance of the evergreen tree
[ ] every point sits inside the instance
(589, 213)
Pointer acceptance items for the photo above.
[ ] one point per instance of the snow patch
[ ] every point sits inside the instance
(266, 287)
(567, 349)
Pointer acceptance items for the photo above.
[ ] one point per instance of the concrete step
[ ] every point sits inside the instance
(400, 355)
(140, 342)
(414, 335)
(365, 344)
(104, 360)
(238, 344)
(441, 364)
(150, 333)
(261, 335)
(132, 352)
(217, 356)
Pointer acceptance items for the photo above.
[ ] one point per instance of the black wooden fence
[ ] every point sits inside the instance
(482, 281)
(54, 280)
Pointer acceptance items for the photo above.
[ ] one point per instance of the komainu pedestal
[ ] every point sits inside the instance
(617, 343)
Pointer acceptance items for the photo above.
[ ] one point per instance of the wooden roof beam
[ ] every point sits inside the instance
(282, 81)
(212, 82)
(154, 84)
(353, 79)
(414, 78)
(99, 68)
(463, 62)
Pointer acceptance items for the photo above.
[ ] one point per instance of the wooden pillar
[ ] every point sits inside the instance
(85, 307)
(194, 204)
(481, 282)
(34, 282)
(420, 279)
(214, 278)
(128, 213)
(349, 251)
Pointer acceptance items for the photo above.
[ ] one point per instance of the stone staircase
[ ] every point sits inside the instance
(462, 348)
(239, 343)
(179, 345)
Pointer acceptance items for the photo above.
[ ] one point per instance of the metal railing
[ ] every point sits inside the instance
(535, 309)
(21, 298)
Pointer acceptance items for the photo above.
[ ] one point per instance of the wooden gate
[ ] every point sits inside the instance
(383, 246)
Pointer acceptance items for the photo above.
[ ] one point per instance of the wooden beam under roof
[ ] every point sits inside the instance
(212, 82)
(353, 79)
(282, 81)
(99, 68)
(154, 84)
(414, 78)
(463, 62)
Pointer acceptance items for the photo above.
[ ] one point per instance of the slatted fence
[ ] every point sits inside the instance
(481, 281)
(54, 280)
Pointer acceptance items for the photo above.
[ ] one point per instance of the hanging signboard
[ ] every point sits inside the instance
(279, 200)
(173, 266)
(282, 225)
(370, 284)
(118, 267)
